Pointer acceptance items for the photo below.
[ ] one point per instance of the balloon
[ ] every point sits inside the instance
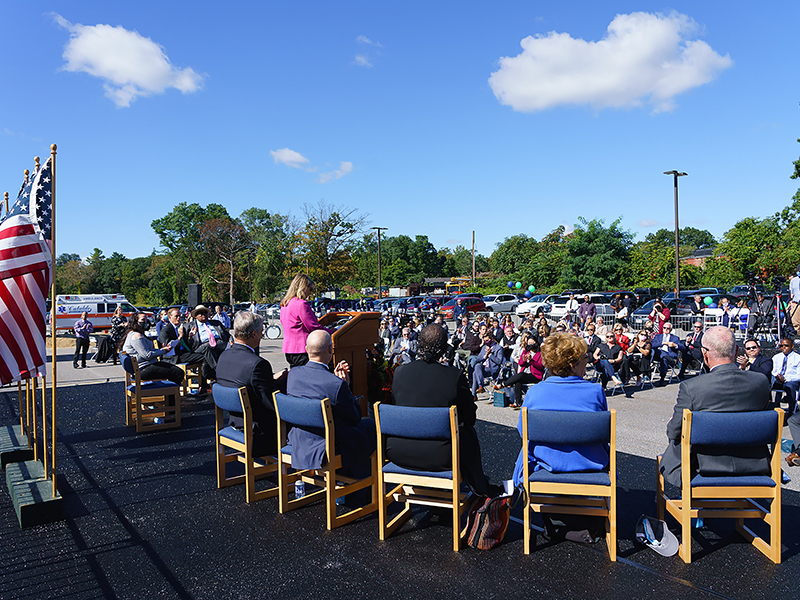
(510, 285)
(527, 294)
(518, 285)
(713, 305)
(707, 301)
(531, 288)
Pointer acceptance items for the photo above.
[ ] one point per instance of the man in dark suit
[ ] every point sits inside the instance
(209, 338)
(355, 437)
(725, 388)
(240, 365)
(175, 330)
(693, 347)
(427, 382)
(754, 361)
(666, 347)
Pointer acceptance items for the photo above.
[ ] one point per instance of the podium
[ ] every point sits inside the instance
(351, 343)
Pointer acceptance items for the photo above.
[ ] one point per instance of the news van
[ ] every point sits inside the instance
(100, 307)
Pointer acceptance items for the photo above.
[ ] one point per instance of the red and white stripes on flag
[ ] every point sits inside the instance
(25, 271)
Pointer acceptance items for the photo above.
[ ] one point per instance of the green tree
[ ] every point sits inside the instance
(514, 255)
(688, 237)
(597, 256)
(267, 256)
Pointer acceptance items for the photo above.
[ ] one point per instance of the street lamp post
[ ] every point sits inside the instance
(675, 175)
(379, 229)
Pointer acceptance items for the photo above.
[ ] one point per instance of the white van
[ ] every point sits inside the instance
(100, 307)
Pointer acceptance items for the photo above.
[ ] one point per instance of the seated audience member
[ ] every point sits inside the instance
(639, 354)
(762, 314)
(405, 349)
(608, 357)
(427, 382)
(162, 321)
(568, 322)
(221, 316)
(508, 341)
(564, 356)
(439, 320)
(495, 329)
(725, 388)
(601, 329)
(488, 364)
(622, 339)
(666, 348)
(592, 340)
(135, 343)
(355, 436)
(693, 347)
(542, 330)
(786, 374)
(530, 369)
(209, 338)
(175, 331)
(753, 360)
(385, 336)
(240, 365)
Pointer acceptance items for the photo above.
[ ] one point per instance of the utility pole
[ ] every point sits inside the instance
(379, 229)
(676, 174)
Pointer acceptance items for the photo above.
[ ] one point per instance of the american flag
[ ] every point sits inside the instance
(25, 263)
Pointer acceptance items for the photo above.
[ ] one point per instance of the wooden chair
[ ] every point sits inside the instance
(240, 442)
(314, 414)
(149, 405)
(591, 493)
(727, 496)
(431, 488)
(192, 376)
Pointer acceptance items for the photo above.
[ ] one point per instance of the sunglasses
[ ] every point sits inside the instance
(751, 347)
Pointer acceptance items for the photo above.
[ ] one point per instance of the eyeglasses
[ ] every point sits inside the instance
(751, 347)
(698, 326)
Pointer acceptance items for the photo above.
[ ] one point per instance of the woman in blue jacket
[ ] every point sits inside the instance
(565, 356)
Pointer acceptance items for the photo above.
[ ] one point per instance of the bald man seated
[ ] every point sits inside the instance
(355, 436)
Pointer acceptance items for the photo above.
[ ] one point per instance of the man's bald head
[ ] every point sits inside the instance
(318, 344)
(720, 346)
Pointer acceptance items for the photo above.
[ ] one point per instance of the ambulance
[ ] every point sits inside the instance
(100, 307)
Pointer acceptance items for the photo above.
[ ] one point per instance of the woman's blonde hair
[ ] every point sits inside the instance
(301, 287)
(562, 351)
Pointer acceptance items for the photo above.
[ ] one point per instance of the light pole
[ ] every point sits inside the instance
(676, 174)
(379, 229)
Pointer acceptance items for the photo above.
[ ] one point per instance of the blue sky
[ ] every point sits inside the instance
(435, 118)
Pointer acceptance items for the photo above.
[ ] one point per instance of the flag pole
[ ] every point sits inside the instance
(54, 378)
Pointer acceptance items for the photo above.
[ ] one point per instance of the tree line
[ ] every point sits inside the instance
(255, 255)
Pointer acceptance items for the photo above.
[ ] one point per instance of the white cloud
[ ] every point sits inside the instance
(288, 157)
(362, 60)
(362, 39)
(647, 223)
(344, 168)
(129, 64)
(643, 58)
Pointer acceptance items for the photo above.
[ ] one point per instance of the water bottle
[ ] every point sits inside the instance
(299, 488)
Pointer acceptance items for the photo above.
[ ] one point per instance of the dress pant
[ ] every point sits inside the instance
(81, 348)
(160, 370)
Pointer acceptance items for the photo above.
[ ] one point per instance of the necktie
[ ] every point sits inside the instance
(783, 368)
(210, 332)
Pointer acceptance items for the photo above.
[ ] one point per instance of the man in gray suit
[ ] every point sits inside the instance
(726, 388)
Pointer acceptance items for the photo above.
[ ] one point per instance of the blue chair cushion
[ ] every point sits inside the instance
(227, 398)
(149, 386)
(734, 429)
(232, 434)
(398, 470)
(581, 478)
(414, 422)
(302, 412)
(287, 449)
(728, 481)
(568, 427)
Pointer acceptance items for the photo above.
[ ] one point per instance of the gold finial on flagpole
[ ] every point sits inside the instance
(36, 163)
(27, 175)
(5, 197)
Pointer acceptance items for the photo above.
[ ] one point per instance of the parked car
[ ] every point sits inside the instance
(645, 294)
(684, 294)
(433, 302)
(501, 302)
(535, 303)
(638, 317)
(471, 303)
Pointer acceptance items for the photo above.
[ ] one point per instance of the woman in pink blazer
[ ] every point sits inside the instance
(298, 320)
